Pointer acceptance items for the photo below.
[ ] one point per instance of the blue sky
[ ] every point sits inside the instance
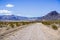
(28, 8)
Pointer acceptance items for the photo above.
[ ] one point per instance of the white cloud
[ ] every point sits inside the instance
(9, 5)
(5, 12)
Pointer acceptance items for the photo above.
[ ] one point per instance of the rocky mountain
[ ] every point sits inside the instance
(54, 15)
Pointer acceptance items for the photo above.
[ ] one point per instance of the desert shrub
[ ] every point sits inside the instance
(1, 26)
(23, 23)
(46, 23)
(18, 24)
(54, 27)
(12, 25)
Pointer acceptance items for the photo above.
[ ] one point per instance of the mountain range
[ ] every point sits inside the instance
(53, 15)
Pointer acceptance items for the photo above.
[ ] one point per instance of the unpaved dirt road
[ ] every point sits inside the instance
(35, 31)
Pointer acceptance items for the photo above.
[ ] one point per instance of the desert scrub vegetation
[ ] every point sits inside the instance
(13, 24)
(50, 22)
(6, 26)
(46, 23)
(54, 27)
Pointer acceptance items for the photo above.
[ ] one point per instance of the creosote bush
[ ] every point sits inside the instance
(54, 27)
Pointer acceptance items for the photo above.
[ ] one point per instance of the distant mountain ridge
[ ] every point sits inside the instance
(12, 17)
(53, 15)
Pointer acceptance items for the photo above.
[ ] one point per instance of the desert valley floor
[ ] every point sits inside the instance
(36, 31)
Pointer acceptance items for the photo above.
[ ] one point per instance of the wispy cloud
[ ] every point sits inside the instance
(9, 5)
(5, 12)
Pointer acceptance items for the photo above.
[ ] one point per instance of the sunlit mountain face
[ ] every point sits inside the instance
(12, 17)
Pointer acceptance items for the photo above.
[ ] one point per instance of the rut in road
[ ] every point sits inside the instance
(36, 31)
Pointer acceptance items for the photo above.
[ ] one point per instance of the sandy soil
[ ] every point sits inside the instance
(35, 31)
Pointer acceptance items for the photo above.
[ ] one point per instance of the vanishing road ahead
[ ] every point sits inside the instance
(35, 31)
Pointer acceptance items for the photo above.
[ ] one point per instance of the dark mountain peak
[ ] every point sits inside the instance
(53, 13)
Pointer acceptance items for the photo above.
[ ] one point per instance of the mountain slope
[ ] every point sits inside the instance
(12, 17)
(50, 16)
